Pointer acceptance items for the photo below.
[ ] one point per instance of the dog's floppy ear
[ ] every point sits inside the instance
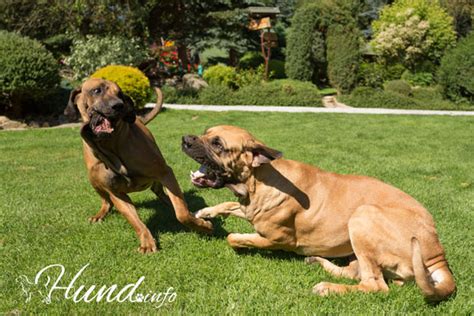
(130, 114)
(263, 154)
(71, 111)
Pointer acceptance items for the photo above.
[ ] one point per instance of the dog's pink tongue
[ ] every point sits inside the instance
(105, 127)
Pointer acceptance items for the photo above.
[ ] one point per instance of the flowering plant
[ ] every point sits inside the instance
(412, 30)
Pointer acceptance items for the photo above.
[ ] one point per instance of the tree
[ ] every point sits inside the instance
(306, 52)
(463, 13)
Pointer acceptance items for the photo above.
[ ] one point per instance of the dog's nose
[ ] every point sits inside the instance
(189, 140)
(118, 106)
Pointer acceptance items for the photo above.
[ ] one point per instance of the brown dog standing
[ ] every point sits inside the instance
(298, 207)
(121, 156)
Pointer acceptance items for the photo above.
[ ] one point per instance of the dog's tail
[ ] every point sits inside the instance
(154, 112)
(436, 286)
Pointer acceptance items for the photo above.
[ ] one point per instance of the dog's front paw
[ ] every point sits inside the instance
(207, 212)
(147, 244)
(326, 288)
(96, 219)
(202, 226)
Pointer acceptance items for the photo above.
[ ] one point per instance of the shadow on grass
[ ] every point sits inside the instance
(164, 218)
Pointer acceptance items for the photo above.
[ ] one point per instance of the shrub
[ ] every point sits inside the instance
(398, 86)
(179, 96)
(94, 52)
(284, 92)
(59, 44)
(413, 30)
(375, 98)
(374, 74)
(277, 92)
(251, 60)
(131, 80)
(217, 95)
(420, 78)
(343, 54)
(221, 75)
(245, 77)
(277, 69)
(456, 72)
(27, 70)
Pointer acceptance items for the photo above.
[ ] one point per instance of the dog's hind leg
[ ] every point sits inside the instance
(365, 225)
(104, 208)
(350, 271)
(157, 188)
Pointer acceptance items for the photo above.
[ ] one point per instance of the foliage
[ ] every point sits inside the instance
(245, 77)
(398, 86)
(131, 81)
(277, 69)
(306, 45)
(419, 78)
(412, 30)
(284, 92)
(343, 55)
(43, 19)
(94, 52)
(221, 75)
(425, 98)
(456, 72)
(305, 49)
(27, 69)
(462, 12)
(366, 97)
(59, 45)
(251, 59)
(375, 74)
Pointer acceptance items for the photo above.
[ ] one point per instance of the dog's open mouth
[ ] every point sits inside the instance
(100, 124)
(205, 177)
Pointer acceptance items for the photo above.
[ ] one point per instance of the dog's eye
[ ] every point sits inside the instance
(97, 91)
(217, 144)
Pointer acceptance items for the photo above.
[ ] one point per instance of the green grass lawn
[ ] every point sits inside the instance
(45, 200)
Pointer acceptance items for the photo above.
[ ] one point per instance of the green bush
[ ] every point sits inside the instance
(367, 97)
(418, 78)
(28, 70)
(217, 95)
(179, 96)
(284, 92)
(277, 92)
(375, 74)
(245, 77)
(456, 72)
(412, 30)
(398, 86)
(343, 55)
(131, 81)
(221, 75)
(277, 69)
(94, 52)
(59, 45)
(251, 60)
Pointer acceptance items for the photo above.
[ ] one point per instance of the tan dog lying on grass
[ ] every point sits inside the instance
(121, 156)
(300, 208)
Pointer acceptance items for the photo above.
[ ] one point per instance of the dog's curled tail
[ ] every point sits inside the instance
(436, 286)
(154, 112)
